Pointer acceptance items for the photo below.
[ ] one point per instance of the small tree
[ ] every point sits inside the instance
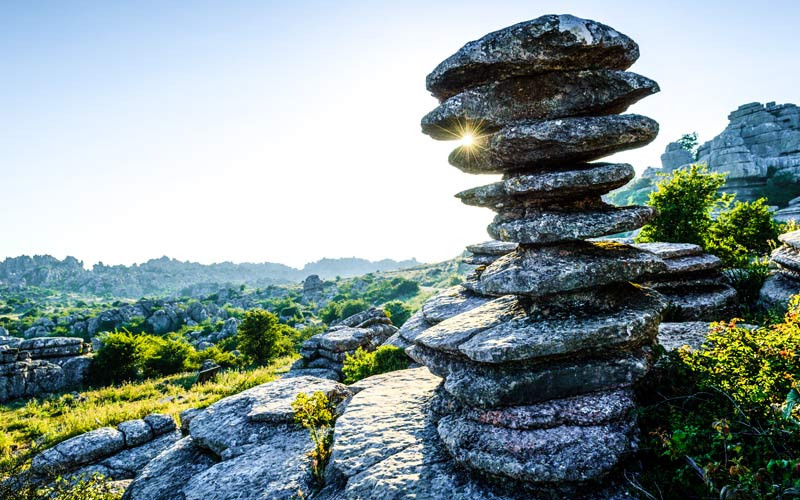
(262, 337)
(351, 307)
(118, 359)
(684, 201)
(398, 312)
(689, 143)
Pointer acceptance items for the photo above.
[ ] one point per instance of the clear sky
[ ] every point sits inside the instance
(289, 131)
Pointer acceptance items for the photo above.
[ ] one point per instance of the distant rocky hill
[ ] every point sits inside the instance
(165, 276)
(759, 150)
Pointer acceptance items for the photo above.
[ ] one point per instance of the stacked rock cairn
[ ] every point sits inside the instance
(540, 375)
(784, 282)
(692, 283)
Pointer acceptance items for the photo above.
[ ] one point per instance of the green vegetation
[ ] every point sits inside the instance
(94, 487)
(316, 414)
(723, 422)
(263, 338)
(689, 143)
(363, 364)
(30, 426)
(125, 356)
(398, 312)
(684, 201)
(744, 230)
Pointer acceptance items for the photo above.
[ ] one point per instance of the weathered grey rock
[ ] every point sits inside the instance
(413, 326)
(164, 477)
(547, 187)
(542, 144)
(52, 347)
(545, 96)
(671, 250)
(544, 226)
(691, 264)
(673, 336)
(777, 290)
(160, 423)
(522, 338)
(314, 372)
(186, 417)
(788, 257)
(583, 410)
(129, 462)
(135, 432)
(548, 43)
(451, 302)
(278, 468)
(9, 341)
(237, 421)
(492, 247)
(79, 450)
(486, 385)
(675, 156)
(570, 454)
(540, 271)
(703, 304)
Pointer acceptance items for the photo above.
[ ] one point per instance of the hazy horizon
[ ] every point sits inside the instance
(266, 132)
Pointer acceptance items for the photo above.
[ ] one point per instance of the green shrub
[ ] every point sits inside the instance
(316, 414)
(118, 359)
(94, 487)
(351, 307)
(165, 356)
(684, 201)
(362, 364)
(722, 422)
(262, 337)
(748, 280)
(398, 312)
(746, 229)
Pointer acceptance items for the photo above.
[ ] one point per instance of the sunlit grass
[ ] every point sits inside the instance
(27, 427)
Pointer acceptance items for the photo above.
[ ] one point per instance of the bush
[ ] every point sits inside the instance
(165, 356)
(217, 355)
(118, 359)
(262, 337)
(363, 364)
(744, 230)
(351, 307)
(684, 201)
(722, 422)
(398, 312)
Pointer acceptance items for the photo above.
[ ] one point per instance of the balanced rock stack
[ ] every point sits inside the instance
(692, 283)
(538, 376)
(784, 282)
(323, 354)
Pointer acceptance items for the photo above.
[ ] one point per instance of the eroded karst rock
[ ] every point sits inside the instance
(692, 283)
(323, 354)
(554, 323)
(784, 282)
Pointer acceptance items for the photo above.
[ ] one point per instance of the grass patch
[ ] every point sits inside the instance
(27, 427)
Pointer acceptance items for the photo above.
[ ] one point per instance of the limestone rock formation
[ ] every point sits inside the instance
(243, 447)
(323, 354)
(759, 150)
(554, 326)
(692, 283)
(37, 366)
(784, 282)
(116, 453)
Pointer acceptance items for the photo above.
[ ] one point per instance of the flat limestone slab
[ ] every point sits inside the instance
(540, 144)
(787, 256)
(777, 290)
(492, 247)
(504, 331)
(692, 264)
(560, 268)
(791, 238)
(451, 302)
(547, 43)
(670, 250)
(716, 303)
(589, 179)
(543, 96)
(552, 226)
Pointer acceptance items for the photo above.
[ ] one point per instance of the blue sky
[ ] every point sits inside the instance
(289, 131)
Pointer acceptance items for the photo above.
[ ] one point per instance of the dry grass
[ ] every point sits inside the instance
(27, 427)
